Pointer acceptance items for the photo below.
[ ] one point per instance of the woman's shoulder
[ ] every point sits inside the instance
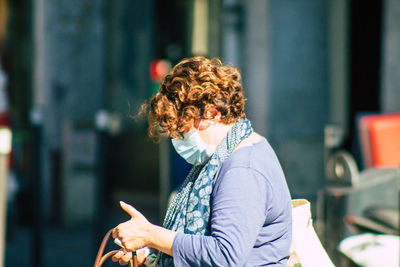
(253, 139)
(252, 149)
(256, 155)
(246, 155)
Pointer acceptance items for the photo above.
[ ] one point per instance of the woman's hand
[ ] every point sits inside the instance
(135, 233)
(138, 233)
(123, 256)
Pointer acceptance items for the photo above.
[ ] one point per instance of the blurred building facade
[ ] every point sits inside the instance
(305, 64)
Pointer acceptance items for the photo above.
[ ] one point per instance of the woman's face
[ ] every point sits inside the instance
(211, 131)
(206, 129)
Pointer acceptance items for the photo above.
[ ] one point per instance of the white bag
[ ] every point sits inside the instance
(306, 247)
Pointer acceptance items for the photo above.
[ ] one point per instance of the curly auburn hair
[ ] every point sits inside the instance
(188, 92)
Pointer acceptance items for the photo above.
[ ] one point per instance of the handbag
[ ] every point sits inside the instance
(306, 249)
(100, 258)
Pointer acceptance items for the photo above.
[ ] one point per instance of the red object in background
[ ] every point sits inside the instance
(380, 138)
(4, 120)
(158, 69)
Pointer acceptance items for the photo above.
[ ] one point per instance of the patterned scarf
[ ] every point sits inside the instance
(189, 212)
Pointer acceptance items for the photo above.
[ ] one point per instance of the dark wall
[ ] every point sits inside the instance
(365, 64)
(298, 107)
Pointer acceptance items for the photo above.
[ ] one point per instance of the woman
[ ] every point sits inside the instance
(234, 208)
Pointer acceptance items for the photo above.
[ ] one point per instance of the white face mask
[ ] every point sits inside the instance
(192, 148)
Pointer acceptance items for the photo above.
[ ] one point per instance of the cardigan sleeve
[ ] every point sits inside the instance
(239, 203)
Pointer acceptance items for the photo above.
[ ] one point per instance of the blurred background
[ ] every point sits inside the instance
(74, 72)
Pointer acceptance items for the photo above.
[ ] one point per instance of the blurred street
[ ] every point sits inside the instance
(65, 247)
(61, 248)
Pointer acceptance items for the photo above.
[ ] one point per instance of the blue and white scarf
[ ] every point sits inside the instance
(189, 212)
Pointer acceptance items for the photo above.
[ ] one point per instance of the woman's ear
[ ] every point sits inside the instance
(212, 113)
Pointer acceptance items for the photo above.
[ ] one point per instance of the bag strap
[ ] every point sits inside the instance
(100, 259)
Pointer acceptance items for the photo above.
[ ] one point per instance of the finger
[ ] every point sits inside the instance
(117, 231)
(114, 232)
(141, 255)
(126, 258)
(117, 256)
(129, 209)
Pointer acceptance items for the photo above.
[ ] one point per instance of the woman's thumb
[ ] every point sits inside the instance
(128, 208)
